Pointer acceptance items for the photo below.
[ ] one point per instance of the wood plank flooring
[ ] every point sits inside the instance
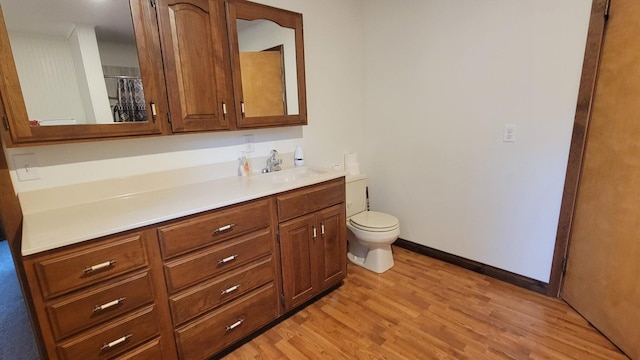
(426, 309)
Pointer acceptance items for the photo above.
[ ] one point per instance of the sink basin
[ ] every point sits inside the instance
(291, 175)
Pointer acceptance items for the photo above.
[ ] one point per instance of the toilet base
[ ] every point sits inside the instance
(378, 260)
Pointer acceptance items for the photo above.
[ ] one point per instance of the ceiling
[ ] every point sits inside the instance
(111, 18)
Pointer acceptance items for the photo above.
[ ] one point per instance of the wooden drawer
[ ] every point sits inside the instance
(88, 264)
(213, 332)
(112, 338)
(81, 311)
(223, 224)
(307, 200)
(149, 351)
(212, 293)
(194, 268)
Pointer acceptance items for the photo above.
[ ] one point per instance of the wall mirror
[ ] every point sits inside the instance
(267, 53)
(80, 70)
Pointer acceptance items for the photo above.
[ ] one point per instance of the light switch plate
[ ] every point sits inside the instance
(26, 167)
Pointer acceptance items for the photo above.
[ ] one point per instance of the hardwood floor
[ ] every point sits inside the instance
(426, 309)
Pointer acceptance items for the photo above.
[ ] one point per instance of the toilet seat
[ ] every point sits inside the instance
(374, 221)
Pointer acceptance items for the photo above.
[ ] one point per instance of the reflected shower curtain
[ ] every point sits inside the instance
(131, 105)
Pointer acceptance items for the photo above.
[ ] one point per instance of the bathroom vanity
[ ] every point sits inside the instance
(181, 271)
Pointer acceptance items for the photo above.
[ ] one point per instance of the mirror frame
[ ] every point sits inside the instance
(16, 129)
(245, 10)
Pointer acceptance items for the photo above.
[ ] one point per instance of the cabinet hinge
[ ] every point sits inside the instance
(5, 122)
(169, 117)
(278, 237)
(153, 3)
(282, 299)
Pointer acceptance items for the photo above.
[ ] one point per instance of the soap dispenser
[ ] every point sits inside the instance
(244, 167)
(298, 157)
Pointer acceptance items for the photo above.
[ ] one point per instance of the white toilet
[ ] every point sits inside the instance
(370, 233)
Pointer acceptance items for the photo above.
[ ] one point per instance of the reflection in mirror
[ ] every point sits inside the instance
(268, 68)
(77, 61)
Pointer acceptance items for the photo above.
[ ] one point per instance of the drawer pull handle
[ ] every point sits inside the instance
(223, 228)
(109, 304)
(227, 259)
(103, 265)
(229, 290)
(322, 229)
(116, 342)
(235, 325)
(315, 234)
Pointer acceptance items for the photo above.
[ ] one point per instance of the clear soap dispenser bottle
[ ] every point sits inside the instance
(244, 168)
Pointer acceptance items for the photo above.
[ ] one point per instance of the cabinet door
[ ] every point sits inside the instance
(270, 91)
(299, 261)
(39, 84)
(332, 245)
(196, 69)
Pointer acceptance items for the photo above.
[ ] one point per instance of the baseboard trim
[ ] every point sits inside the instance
(480, 268)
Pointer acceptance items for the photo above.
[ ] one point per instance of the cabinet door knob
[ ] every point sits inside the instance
(100, 266)
(116, 342)
(227, 259)
(234, 325)
(322, 230)
(223, 228)
(315, 234)
(154, 112)
(109, 304)
(231, 289)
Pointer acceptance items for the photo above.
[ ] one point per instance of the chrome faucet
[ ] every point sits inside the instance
(273, 163)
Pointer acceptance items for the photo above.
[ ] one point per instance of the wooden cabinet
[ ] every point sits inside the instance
(190, 74)
(54, 79)
(101, 299)
(222, 274)
(313, 242)
(194, 42)
(216, 330)
(191, 287)
(267, 56)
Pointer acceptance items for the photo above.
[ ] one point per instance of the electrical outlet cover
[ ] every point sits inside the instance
(26, 167)
(248, 143)
(509, 133)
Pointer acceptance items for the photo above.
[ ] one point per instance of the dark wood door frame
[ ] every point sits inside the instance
(595, 36)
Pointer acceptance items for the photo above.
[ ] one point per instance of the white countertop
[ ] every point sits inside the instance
(47, 226)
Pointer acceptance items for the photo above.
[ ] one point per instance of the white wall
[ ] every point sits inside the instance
(93, 91)
(441, 80)
(118, 54)
(47, 77)
(333, 50)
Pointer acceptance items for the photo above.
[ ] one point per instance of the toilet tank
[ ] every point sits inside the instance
(356, 194)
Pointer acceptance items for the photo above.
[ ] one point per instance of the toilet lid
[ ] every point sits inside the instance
(376, 221)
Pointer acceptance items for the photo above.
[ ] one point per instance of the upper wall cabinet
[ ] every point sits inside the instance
(267, 55)
(198, 73)
(80, 70)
